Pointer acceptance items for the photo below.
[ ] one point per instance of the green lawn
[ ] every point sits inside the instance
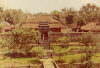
(69, 58)
(96, 58)
(17, 61)
(77, 57)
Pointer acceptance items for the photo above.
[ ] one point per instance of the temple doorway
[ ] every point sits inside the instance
(44, 36)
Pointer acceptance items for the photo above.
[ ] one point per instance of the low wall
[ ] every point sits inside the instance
(73, 35)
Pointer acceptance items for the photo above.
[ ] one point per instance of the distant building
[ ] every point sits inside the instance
(5, 27)
(92, 26)
(55, 26)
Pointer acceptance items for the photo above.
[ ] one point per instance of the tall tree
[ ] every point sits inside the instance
(1, 13)
(90, 12)
(80, 20)
(67, 16)
(56, 14)
(14, 16)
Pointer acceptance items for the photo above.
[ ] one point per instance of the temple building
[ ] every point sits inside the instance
(91, 26)
(55, 27)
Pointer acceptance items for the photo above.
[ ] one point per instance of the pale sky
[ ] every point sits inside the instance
(36, 6)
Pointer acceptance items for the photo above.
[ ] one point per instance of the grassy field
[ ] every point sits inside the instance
(70, 58)
(96, 58)
(77, 57)
(17, 61)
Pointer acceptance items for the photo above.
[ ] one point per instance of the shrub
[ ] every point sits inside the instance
(38, 51)
(89, 64)
(72, 61)
(15, 54)
(60, 61)
(19, 42)
(64, 41)
(36, 61)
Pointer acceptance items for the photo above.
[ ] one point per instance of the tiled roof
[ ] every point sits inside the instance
(57, 26)
(39, 18)
(28, 25)
(33, 22)
(5, 25)
(88, 26)
(50, 25)
(96, 28)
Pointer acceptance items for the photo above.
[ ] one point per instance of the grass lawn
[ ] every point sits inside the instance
(70, 58)
(96, 58)
(77, 57)
(16, 61)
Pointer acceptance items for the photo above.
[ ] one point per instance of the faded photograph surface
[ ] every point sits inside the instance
(49, 34)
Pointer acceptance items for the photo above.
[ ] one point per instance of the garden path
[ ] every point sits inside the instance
(48, 63)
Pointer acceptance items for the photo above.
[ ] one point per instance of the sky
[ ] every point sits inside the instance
(46, 6)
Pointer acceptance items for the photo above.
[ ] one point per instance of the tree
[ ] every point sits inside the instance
(90, 12)
(59, 52)
(20, 39)
(38, 51)
(57, 14)
(89, 39)
(64, 41)
(67, 16)
(80, 20)
(1, 13)
(0, 28)
(70, 15)
(14, 16)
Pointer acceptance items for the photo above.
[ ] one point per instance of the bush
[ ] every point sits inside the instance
(19, 41)
(15, 54)
(36, 61)
(88, 64)
(38, 52)
(72, 61)
(64, 41)
(60, 61)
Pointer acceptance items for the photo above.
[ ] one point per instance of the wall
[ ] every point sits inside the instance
(54, 36)
(72, 35)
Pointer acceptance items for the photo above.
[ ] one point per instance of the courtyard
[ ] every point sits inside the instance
(65, 38)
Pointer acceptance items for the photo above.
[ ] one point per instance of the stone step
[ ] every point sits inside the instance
(43, 42)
